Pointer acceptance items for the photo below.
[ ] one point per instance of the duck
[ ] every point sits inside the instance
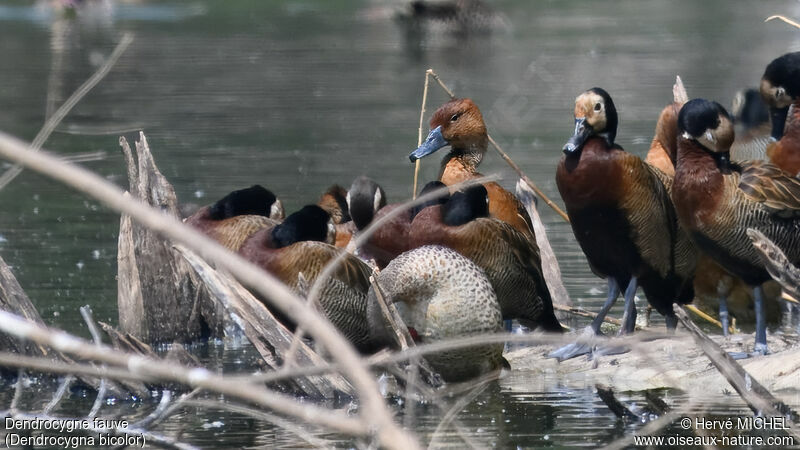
(509, 258)
(460, 17)
(717, 200)
(717, 291)
(459, 124)
(780, 89)
(752, 127)
(441, 295)
(302, 244)
(233, 218)
(390, 239)
(622, 217)
(334, 202)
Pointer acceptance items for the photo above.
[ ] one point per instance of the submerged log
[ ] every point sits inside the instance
(13, 299)
(157, 296)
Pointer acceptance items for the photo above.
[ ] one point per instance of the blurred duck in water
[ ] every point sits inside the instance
(232, 219)
(622, 217)
(509, 258)
(780, 89)
(718, 200)
(301, 244)
(458, 17)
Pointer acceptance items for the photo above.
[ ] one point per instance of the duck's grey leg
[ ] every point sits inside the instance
(761, 322)
(629, 316)
(724, 318)
(576, 348)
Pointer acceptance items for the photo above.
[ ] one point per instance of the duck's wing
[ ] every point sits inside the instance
(314, 256)
(765, 183)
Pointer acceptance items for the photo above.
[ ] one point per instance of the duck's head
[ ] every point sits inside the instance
(334, 202)
(708, 124)
(459, 124)
(254, 200)
(749, 109)
(465, 206)
(780, 87)
(595, 115)
(311, 223)
(364, 199)
(439, 199)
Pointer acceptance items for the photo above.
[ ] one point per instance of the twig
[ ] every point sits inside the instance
(757, 397)
(62, 389)
(460, 404)
(147, 436)
(679, 94)
(177, 405)
(164, 370)
(374, 410)
(655, 403)
(64, 109)
(508, 159)
(606, 394)
(86, 313)
(265, 416)
(777, 264)
(417, 163)
(158, 413)
(785, 19)
(401, 334)
(17, 390)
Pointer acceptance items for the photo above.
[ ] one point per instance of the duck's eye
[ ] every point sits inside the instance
(455, 117)
(597, 106)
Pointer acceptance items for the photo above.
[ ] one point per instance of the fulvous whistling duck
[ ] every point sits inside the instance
(445, 296)
(509, 258)
(459, 124)
(717, 201)
(780, 89)
(236, 216)
(622, 217)
(297, 245)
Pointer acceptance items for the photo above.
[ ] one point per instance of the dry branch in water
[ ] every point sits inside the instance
(783, 18)
(374, 412)
(777, 264)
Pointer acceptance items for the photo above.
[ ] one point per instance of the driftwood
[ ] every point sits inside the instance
(157, 296)
(13, 299)
(169, 293)
(778, 266)
(270, 338)
(550, 269)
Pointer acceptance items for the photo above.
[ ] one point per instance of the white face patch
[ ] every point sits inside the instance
(276, 210)
(331, 237)
(376, 204)
(347, 199)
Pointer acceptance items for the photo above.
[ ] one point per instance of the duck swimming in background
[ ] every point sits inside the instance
(452, 16)
(232, 219)
(391, 239)
(780, 89)
(620, 211)
(509, 258)
(301, 244)
(441, 295)
(717, 201)
(459, 124)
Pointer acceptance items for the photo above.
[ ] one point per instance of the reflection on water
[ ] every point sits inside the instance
(300, 95)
